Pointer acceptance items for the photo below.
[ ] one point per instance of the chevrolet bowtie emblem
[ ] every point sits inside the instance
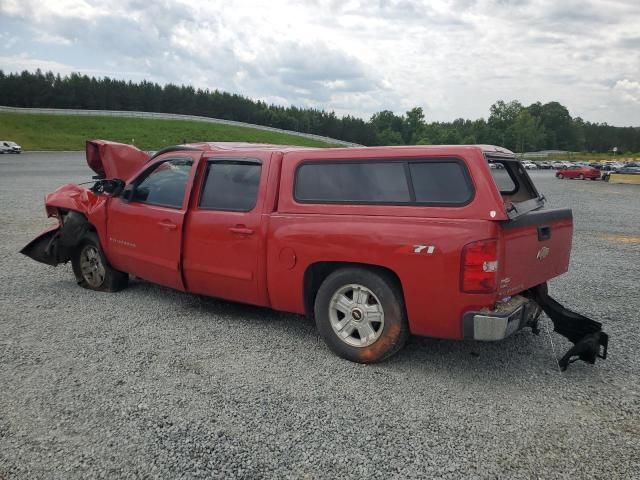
(543, 253)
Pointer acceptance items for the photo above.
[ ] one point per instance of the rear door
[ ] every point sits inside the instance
(144, 226)
(224, 237)
(536, 241)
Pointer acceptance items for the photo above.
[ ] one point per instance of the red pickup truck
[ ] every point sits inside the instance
(374, 243)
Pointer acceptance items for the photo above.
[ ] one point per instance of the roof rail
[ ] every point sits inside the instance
(174, 148)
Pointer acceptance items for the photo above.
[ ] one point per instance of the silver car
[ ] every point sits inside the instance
(7, 146)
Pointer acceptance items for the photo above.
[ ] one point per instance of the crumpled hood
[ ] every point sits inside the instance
(114, 160)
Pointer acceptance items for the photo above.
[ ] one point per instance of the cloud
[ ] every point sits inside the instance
(629, 89)
(452, 57)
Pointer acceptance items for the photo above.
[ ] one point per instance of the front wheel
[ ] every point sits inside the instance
(581, 177)
(92, 270)
(560, 176)
(360, 315)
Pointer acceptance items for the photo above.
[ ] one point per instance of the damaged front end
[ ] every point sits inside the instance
(590, 342)
(56, 244)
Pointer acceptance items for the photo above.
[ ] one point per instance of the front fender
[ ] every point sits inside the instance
(74, 197)
(56, 244)
(45, 247)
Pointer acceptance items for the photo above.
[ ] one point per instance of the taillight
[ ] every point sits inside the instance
(479, 269)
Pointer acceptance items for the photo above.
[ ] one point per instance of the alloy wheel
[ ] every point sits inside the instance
(91, 266)
(356, 315)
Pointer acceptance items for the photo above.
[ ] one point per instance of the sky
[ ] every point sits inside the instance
(453, 58)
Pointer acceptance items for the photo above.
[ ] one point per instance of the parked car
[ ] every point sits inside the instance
(612, 166)
(7, 146)
(529, 165)
(374, 243)
(629, 169)
(544, 165)
(578, 172)
(558, 165)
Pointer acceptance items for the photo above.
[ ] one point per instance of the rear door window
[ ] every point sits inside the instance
(231, 186)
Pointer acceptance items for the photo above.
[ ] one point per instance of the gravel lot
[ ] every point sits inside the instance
(158, 384)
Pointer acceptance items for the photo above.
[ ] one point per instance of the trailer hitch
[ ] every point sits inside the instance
(589, 341)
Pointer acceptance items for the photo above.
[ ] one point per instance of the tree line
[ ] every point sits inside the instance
(520, 128)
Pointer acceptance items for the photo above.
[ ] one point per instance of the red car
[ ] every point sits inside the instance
(578, 172)
(374, 243)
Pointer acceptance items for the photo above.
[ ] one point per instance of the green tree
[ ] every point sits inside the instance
(527, 131)
(502, 118)
(413, 125)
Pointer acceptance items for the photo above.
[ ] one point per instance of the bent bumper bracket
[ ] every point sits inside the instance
(590, 342)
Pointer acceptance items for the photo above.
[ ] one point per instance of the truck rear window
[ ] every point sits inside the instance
(411, 182)
(512, 180)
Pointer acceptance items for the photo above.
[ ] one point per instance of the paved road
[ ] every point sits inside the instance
(154, 383)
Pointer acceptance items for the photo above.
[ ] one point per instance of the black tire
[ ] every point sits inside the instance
(581, 177)
(392, 333)
(560, 176)
(108, 280)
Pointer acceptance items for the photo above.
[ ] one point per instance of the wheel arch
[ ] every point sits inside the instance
(74, 226)
(317, 272)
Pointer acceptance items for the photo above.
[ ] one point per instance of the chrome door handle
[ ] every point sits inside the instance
(241, 230)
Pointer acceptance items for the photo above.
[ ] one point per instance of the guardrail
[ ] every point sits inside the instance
(169, 116)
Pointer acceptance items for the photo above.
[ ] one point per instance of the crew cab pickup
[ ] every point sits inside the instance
(375, 243)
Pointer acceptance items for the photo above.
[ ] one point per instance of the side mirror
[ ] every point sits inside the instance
(112, 187)
(127, 193)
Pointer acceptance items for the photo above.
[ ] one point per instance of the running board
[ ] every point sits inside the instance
(589, 341)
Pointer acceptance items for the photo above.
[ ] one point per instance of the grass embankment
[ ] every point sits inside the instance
(69, 132)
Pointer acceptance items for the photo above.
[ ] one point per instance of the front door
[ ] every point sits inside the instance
(144, 227)
(223, 240)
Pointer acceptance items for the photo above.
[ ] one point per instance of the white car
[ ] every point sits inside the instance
(529, 166)
(7, 146)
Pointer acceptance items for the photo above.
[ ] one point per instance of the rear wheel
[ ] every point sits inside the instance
(92, 270)
(360, 315)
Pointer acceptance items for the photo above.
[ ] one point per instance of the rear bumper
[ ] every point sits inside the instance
(497, 324)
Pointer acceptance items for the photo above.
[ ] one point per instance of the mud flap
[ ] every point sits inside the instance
(44, 248)
(590, 342)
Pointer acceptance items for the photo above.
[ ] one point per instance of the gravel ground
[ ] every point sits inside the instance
(158, 384)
